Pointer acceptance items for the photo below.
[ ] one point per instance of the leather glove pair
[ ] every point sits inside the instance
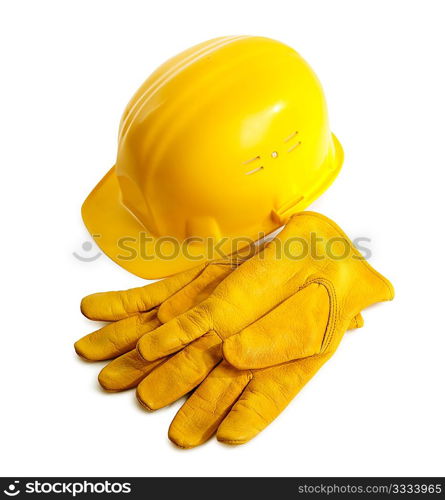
(291, 303)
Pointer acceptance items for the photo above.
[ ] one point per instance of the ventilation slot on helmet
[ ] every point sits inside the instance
(250, 172)
(251, 160)
(254, 171)
(294, 147)
(289, 137)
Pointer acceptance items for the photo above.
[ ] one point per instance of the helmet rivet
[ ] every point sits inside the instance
(274, 154)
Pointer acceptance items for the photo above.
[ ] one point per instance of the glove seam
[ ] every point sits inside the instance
(332, 321)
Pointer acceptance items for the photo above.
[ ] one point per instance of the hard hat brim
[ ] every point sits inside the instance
(127, 242)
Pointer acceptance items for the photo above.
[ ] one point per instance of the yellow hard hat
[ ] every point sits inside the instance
(224, 141)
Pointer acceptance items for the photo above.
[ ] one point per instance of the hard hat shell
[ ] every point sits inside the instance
(226, 140)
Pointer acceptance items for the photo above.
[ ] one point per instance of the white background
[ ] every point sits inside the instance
(67, 70)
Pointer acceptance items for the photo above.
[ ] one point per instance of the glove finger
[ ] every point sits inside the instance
(175, 334)
(181, 373)
(195, 292)
(200, 415)
(113, 306)
(126, 371)
(116, 338)
(294, 329)
(266, 396)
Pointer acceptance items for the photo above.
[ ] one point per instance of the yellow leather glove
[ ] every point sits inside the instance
(175, 376)
(311, 265)
(140, 310)
(238, 402)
